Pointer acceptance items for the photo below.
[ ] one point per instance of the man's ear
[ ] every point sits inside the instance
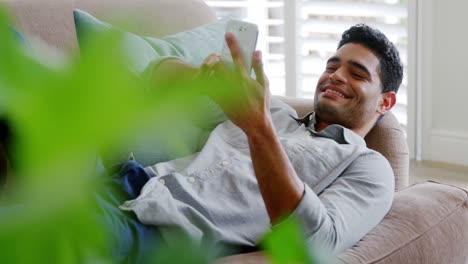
(387, 101)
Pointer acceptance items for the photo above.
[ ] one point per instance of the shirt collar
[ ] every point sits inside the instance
(308, 120)
(340, 134)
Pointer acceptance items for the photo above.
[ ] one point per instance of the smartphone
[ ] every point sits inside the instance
(246, 35)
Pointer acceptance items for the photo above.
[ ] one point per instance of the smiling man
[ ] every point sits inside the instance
(360, 81)
(265, 164)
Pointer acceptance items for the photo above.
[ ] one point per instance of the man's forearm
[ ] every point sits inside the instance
(245, 102)
(281, 188)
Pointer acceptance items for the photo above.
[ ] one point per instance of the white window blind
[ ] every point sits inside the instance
(298, 36)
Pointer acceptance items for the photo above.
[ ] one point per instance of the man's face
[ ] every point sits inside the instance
(349, 91)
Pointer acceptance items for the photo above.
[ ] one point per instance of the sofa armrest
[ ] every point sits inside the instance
(426, 224)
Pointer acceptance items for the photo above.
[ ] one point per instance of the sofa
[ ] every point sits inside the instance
(428, 221)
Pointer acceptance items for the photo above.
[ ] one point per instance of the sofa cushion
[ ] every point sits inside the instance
(20, 37)
(191, 46)
(141, 52)
(388, 137)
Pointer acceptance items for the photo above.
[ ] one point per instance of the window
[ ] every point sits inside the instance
(298, 36)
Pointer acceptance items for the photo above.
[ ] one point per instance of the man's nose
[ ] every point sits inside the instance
(338, 76)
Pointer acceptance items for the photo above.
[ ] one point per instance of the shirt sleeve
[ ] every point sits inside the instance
(350, 207)
(204, 113)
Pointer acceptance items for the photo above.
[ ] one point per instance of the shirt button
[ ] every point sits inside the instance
(162, 181)
(191, 179)
(225, 162)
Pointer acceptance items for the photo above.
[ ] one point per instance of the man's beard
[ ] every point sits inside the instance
(331, 114)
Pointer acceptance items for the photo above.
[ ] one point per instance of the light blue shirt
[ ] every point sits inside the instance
(214, 195)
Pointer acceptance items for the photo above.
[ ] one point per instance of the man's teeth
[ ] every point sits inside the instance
(335, 92)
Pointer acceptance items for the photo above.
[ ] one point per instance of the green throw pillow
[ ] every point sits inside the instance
(191, 46)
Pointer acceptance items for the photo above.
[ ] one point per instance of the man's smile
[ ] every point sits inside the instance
(333, 91)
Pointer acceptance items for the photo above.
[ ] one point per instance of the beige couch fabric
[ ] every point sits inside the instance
(415, 230)
(52, 20)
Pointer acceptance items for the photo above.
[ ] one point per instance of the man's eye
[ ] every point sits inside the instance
(358, 76)
(330, 69)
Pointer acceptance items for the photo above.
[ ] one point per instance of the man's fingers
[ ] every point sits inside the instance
(209, 63)
(258, 68)
(214, 77)
(236, 53)
(219, 68)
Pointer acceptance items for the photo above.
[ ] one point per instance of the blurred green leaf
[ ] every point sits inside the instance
(61, 119)
(286, 243)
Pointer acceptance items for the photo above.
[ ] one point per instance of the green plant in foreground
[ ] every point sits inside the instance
(286, 244)
(60, 118)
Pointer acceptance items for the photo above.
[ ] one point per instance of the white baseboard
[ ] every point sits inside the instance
(448, 146)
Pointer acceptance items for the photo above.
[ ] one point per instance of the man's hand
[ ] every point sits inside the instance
(244, 100)
(247, 104)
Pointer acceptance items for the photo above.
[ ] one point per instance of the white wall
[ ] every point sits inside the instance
(442, 64)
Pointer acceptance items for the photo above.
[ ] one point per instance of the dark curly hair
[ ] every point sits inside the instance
(391, 68)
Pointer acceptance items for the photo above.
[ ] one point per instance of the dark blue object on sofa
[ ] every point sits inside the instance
(130, 240)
